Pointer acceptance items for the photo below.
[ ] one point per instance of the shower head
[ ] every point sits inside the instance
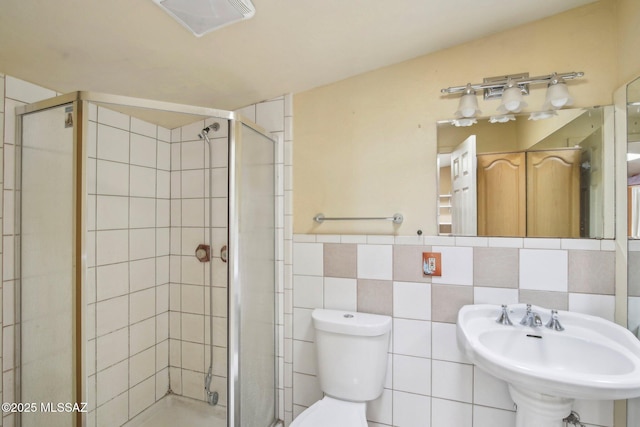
(212, 127)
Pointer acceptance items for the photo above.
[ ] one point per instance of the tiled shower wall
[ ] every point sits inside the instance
(429, 382)
(127, 282)
(189, 289)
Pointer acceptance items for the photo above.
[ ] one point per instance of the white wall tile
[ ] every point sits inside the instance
(381, 409)
(490, 417)
(113, 118)
(112, 315)
(270, 115)
(112, 178)
(375, 262)
(304, 357)
(112, 381)
(142, 305)
(141, 336)
(412, 300)
(308, 259)
(446, 413)
(142, 274)
(112, 280)
(142, 212)
(192, 299)
(142, 243)
(143, 128)
(114, 412)
(112, 246)
(411, 410)
(112, 348)
(340, 294)
(142, 366)
(143, 150)
(412, 337)
(192, 213)
(164, 156)
(544, 270)
(112, 212)
(484, 295)
(412, 374)
(596, 305)
(308, 292)
(193, 356)
(457, 265)
(303, 324)
(452, 381)
(307, 389)
(142, 396)
(490, 391)
(143, 182)
(113, 144)
(445, 344)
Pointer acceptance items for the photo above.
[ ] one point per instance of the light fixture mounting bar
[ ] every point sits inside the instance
(524, 79)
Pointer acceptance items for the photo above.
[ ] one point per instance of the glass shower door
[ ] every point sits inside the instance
(252, 298)
(45, 263)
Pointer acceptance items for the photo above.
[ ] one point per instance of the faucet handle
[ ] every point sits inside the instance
(554, 322)
(504, 317)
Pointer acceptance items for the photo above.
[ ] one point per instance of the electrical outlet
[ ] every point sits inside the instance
(432, 264)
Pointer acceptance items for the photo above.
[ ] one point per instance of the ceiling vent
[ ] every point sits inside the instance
(203, 16)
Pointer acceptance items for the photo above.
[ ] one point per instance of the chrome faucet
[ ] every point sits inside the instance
(531, 318)
(504, 317)
(554, 323)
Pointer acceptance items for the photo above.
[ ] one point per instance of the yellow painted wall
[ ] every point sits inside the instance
(366, 146)
(629, 39)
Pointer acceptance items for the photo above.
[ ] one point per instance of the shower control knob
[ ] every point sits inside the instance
(203, 253)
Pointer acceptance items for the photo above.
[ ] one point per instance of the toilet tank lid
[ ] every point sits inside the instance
(351, 323)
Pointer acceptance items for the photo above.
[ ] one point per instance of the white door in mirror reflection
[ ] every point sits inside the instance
(463, 188)
(634, 211)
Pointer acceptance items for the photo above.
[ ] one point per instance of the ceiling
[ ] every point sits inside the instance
(133, 48)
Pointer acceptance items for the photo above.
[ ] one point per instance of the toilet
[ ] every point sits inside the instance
(351, 350)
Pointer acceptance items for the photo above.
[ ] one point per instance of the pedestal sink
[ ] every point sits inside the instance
(546, 369)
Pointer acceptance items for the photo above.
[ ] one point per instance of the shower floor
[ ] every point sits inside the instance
(178, 411)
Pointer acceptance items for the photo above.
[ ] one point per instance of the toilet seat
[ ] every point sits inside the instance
(333, 412)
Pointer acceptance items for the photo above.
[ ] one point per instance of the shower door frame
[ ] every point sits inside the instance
(234, 417)
(80, 101)
(78, 239)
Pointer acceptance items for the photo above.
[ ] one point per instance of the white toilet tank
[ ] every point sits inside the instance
(352, 353)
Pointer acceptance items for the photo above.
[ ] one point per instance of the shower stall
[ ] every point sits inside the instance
(145, 248)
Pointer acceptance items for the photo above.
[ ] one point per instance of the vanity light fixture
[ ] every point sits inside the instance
(463, 122)
(541, 115)
(512, 100)
(557, 94)
(502, 119)
(510, 89)
(468, 106)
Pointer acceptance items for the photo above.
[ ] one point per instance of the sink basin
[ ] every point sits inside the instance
(591, 359)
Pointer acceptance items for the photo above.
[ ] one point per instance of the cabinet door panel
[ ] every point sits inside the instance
(553, 193)
(502, 194)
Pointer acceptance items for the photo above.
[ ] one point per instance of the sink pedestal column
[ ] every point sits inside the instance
(539, 410)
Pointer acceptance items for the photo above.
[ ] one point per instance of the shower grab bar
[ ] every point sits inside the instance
(396, 218)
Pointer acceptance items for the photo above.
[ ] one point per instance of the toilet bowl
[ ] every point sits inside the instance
(330, 412)
(351, 351)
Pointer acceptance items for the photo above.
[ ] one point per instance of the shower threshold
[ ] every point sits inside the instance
(178, 411)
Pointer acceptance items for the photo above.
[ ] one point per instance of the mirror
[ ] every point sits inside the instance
(633, 208)
(552, 177)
